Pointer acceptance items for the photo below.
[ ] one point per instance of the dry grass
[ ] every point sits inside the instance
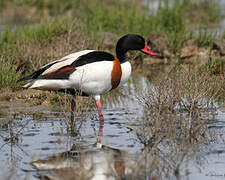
(27, 56)
(176, 111)
(34, 56)
(35, 103)
(28, 49)
(83, 107)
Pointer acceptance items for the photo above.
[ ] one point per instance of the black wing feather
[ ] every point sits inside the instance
(92, 57)
(36, 74)
(88, 58)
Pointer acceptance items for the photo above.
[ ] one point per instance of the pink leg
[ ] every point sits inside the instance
(99, 106)
(101, 124)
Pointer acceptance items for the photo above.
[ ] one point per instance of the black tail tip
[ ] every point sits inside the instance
(23, 79)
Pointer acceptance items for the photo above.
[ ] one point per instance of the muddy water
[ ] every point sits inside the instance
(45, 136)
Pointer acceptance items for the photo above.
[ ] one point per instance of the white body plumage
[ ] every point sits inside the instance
(92, 78)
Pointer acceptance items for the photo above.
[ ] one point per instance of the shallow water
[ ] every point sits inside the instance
(47, 135)
(217, 30)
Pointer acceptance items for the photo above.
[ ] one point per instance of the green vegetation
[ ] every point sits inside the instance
(215, 67)
(8, 75)
(56, 18)
(14, 45)
(55, 7)
(205, 38)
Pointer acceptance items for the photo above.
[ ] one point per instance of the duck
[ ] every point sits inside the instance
(103, 163)
(93, 163)
(90, 72)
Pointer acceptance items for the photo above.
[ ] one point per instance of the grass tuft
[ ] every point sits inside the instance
(8, 74)
(177, 111)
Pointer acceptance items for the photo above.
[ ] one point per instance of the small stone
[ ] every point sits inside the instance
(189, 48)
(219, 44)
(158, 42)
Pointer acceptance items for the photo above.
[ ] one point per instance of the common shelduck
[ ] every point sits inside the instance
(89, 71)
(105, 163)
